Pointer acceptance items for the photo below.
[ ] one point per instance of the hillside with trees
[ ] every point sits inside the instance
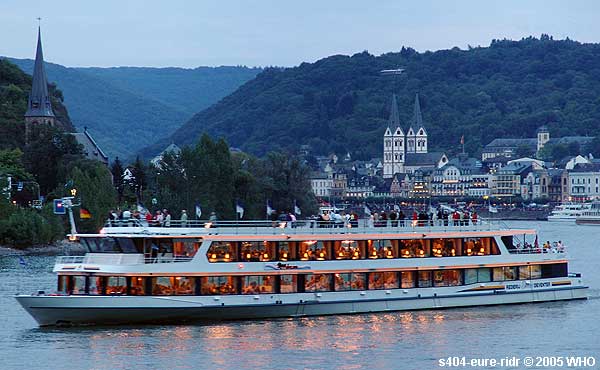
(129, 108)
(341, 103)
(51, 164)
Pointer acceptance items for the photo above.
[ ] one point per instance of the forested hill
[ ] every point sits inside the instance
(15, 86)
(341, 103)
(186, 90)
(129, 108)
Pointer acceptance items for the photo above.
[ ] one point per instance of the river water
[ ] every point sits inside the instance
(402, 340)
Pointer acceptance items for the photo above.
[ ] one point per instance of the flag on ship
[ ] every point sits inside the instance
(297, 209)
(492, 209)
(84, 214)
(270, 209)
(239, 209)
(367, 210)
(198, 210)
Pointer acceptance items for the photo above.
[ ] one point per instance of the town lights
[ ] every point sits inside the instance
(73, 192)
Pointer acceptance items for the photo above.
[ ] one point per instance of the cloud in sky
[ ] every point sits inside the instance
(267, 32)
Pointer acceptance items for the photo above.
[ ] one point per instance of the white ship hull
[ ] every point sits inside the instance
(561, 218)
(106, 310)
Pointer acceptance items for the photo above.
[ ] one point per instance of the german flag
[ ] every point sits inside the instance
(84, 214)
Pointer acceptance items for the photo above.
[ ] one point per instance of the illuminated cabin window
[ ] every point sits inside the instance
(257, 251)
(414, 248)
(346, 250)
(258, 284)
(116, 285)
(447, 278)
(138, 286)
(530, 272)
(479, 247)
(218, 285)
(96, 285)
(349, 281)
(382, 249)
(185, 247)
(222, 252)
(505, 273)
(171, 285)
(286, 251)
(480, 275)
(383, 280)
(445, 247)
(288, 283)
(407, 279)
(424, 279)
(313, 250)
(317, 283)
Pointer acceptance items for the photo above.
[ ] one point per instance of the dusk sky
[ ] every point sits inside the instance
(262, 33)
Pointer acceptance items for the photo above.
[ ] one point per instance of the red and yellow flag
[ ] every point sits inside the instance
(84, 214)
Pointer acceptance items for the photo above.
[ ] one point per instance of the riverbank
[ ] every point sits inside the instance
(63, 247)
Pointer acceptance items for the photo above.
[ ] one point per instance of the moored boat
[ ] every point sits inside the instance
(568, 212)
(194, 271)
(590, 216)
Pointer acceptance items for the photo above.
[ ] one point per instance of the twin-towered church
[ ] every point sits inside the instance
(406, 152)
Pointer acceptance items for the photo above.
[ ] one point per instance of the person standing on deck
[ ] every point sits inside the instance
(184, 218)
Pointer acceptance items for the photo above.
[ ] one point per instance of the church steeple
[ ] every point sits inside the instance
(420, 133)
(394, 120)
(417, 116)
(39, 101)
(39, 107)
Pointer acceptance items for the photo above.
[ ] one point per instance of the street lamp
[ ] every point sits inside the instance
(73, 192)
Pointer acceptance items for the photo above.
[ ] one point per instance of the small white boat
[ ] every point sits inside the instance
(568, 212)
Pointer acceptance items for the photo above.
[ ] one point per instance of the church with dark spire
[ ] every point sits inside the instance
(40, 113)
(39, 107)
(404, 153)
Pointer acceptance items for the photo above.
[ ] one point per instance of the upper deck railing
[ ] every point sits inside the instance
(135, 226)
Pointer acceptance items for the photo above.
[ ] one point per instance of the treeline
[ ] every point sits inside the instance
(211, 175)
(341, 103)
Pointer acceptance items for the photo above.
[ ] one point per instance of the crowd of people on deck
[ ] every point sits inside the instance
(547, 247)
(398, 218)
(333, 218)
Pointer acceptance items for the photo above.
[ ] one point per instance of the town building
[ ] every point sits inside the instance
(90, 148)
(512, 148)
(407, 153)
(584, 182)
(506, 181)
(460, 177)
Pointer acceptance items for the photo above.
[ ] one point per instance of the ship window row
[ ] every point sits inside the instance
(298, 283)
(317, 250)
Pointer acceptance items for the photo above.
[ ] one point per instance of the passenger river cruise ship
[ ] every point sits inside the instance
(194, 271)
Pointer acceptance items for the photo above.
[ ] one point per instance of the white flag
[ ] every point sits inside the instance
(198, 210)
(269, 209)
(367, 210)
(297, 210)
(493, 209)
(240, 210)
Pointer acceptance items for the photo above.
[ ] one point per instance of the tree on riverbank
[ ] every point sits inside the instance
(211, 175)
